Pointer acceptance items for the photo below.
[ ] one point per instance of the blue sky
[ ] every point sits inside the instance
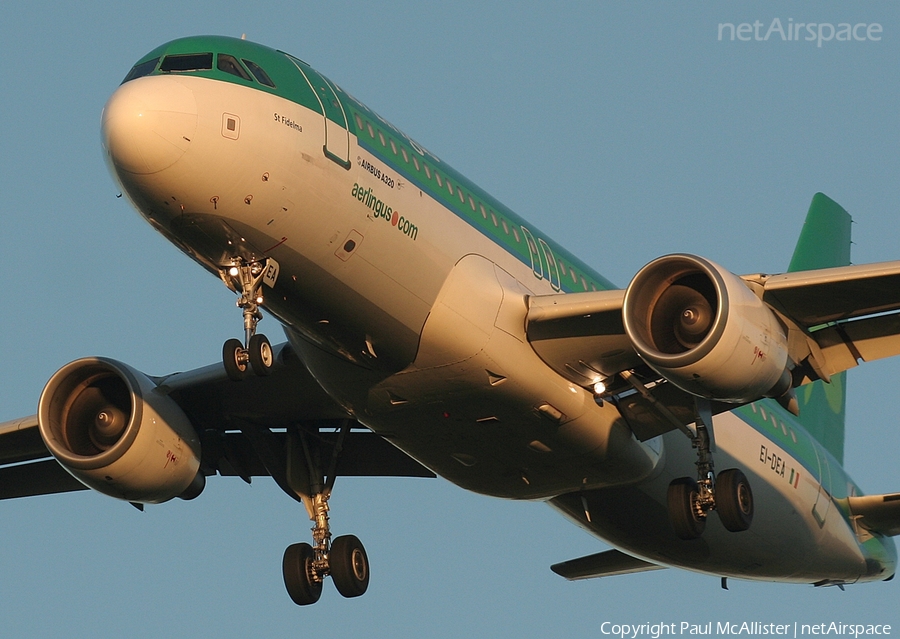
(623, 131)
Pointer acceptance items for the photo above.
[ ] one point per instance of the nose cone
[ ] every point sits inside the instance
(148, 124)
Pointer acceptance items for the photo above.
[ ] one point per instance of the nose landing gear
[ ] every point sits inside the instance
(255, 352)
(690, 501)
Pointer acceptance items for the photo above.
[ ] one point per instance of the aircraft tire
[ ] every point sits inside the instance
(235, 367)
(349, 566)
(734, 500)
(683, 515)
(299, 581)
(261, 356)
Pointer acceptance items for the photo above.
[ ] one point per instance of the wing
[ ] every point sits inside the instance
(245, 429)
(847, 314)
(582, 337)
(835, 318)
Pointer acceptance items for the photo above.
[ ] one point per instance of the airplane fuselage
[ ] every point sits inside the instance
(404, 289)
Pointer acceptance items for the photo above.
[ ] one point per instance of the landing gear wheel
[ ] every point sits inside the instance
(734, 500)
(349, 566)
(684, 511)
(259, 351)
(299, 575)
(234, 359)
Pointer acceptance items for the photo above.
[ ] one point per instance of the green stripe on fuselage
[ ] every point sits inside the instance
(291, 85)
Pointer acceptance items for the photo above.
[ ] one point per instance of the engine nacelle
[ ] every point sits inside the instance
(108, 426)
(703, 329)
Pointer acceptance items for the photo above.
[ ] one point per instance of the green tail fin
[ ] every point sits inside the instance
(824, 242)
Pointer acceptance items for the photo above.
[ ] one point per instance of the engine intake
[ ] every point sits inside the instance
(108, 426)
(703, 329)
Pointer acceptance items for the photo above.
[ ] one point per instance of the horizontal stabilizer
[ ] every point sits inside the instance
(602, 564)
(877, 513)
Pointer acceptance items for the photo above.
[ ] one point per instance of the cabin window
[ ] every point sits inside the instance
(505, 227)
(393, 147)
(359, 122)
(471, 202)
(371, 130)
(188, 62)
(438, 178)
(449, 186)
(494, 218)
(427, 171)
(483, 212)
(416, 162)
(229, 64)
(516, 235)
(574, 277)
(562, 267)
(381, 137)
(462, 198)
(405, 155)
(261, 76)
(141, 69)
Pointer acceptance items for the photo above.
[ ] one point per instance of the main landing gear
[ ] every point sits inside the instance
(305, 566)
(255, 352)
(690, 501)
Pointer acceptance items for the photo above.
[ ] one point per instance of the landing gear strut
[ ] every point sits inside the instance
(728, 493)
(256, 351)
(305, 567)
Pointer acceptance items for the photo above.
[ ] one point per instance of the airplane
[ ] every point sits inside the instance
(694, 419)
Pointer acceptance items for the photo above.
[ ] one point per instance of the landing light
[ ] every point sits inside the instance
(233, 271)
(599, 387)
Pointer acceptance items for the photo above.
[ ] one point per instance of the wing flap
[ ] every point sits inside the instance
(827, 295)
(602, 564)
(844, 345)
(45, 477)
(877, 513)
(21, 441)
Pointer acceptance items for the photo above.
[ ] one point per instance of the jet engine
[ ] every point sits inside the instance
(704, 330)
(109, 427)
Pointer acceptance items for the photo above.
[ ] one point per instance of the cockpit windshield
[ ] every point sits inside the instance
(229, 64)
(187, 62)
(242, 68)
(261, 76)
(141, 69)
